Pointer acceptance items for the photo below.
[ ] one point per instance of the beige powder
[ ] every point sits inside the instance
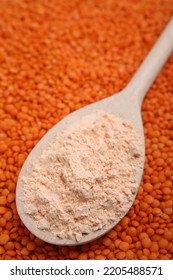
(85, 178)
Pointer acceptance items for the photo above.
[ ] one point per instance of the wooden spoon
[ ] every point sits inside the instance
(126, 104)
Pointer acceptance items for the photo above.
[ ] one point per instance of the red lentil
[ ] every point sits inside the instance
(52, 65)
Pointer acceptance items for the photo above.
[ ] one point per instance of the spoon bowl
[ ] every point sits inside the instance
(125, 104)
(105, 105)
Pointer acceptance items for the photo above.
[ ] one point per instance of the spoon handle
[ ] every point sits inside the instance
(150, 67)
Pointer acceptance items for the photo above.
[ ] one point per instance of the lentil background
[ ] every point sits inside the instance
(57, 56)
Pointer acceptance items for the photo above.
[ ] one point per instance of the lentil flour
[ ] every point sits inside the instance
(84, 180)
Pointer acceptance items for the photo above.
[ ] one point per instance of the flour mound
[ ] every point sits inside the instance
(84, 180)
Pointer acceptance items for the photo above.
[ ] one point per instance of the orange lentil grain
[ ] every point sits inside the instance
(3, 147)
(83, 256)
(148, 199)
(110, 256)
(41, 257)
(18, 246)
(105, 252)
(97, 252)
(117, 242)
(154, 246)
(146, 242)
(106, 241)
(124, 222)
(11, 253)
(3, 210)
(163, 243)
(154, 179)
(2, 222)
(166, 190)
(124, 246)
(146, 252)
(129, 255)
(138, 245)
(3, 200)
(4, 238)
(168, 184)
(112, 234)
(120, 255)
(8, 215)
(143, 235)
(73, 254)
(9, 246)
(91, 254)
(152, 256)
(128, 239)
(31, 246)
(132, 231)
(11, 197)
(168, 235)
(25, 240)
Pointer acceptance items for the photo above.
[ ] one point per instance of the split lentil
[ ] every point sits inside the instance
(58, 56)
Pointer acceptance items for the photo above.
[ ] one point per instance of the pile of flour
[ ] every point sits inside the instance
(85, 178)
